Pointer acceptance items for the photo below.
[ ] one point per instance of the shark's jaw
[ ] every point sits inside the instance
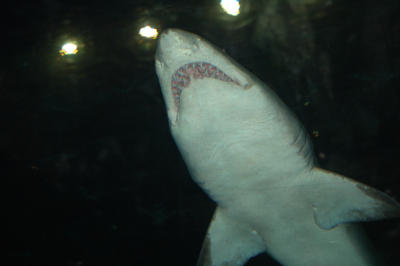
(195, 70)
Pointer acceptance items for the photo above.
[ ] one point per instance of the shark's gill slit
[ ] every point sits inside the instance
(197, 70)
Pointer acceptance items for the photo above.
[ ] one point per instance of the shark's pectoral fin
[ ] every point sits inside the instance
(343, 200)
(228, 243)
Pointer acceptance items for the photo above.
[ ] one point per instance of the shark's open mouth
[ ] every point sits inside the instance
(197, 70)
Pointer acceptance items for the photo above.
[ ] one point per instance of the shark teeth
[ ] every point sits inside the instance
(196, 70)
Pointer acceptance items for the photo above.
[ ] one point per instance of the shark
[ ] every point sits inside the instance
(247, 150)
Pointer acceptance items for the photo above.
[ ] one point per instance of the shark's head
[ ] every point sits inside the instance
(185, 61)
(216, 107)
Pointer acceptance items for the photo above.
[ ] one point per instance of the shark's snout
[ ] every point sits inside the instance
(182, 39)
(174, 41)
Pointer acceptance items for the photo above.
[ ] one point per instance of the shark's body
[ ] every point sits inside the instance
(251, 155)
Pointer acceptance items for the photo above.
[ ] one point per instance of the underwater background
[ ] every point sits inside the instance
(91, 175)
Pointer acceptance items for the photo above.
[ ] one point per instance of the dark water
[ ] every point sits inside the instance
(90, 173)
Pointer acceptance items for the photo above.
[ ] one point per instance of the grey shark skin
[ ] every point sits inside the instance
(251, 155)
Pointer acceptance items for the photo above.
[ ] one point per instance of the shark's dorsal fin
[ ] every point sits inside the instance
(343, 200)
(228, 243)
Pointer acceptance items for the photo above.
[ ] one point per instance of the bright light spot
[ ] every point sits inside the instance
(148, 32)
(69, 48)
(232, 7)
